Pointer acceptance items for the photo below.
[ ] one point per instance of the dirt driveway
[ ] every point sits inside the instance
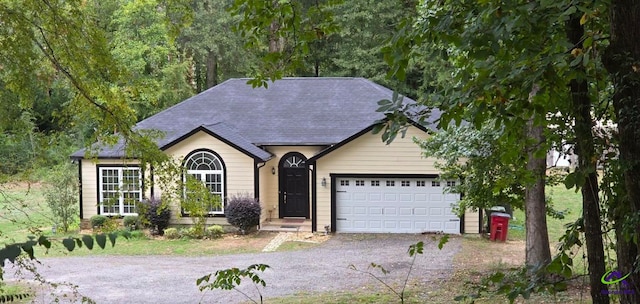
(167, 279)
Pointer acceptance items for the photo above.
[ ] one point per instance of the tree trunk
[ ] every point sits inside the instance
(212, 69)
(198, 73)
(622, 61)
(587, 161)
(538, 252)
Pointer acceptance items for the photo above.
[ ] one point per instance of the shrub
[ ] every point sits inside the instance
(61, 194)
(193, 233)
(214, 232)
(155, 214)
(243, 212)
(172, 233)
(97, 221)
(131, 222)
(110, 225)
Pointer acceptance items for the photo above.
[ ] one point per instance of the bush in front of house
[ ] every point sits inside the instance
(172, 233)
(97, 221)
(131, 222)
(214, 232)
(243, 212)
(155, 214)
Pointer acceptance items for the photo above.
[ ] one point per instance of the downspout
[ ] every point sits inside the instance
(314, 221)
(80, 184)
(256, 181)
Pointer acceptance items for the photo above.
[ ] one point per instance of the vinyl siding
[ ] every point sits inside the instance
(369, 155)
(238, 170)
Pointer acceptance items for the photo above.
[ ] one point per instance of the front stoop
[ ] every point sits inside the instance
(284, 225)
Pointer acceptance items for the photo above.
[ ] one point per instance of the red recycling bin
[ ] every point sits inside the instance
(499, 226)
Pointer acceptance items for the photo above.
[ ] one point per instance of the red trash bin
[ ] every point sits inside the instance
(499, 226)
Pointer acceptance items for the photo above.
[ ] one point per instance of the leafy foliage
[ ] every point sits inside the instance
(11, 252)
(243, 212)
(131, 222)
(214, 232)
(62, 195)
(197, 202)
(231, 278)
(98, 221)
(155, 214)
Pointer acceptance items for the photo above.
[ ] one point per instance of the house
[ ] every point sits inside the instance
(303, 147)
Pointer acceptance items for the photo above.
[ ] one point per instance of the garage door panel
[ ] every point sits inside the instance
(359, 210)
(390, 197)
(390, 211)
(420, 211)
(405, 211)
(396, 205)
(359, 196)
(436, 197)
(436, 211)
(420, 197)
(406, 197)
(375, 197)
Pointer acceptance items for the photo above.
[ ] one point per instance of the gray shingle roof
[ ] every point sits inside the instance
(292, 111)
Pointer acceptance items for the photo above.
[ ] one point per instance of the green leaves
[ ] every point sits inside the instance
(228, 279)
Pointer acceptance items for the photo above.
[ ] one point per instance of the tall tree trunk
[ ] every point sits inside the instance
(587, 161)
(622, 61)
(212, 69)
(538, 252)
(198, 72)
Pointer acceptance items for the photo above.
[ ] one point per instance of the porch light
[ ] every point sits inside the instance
(324, 182)
(273, 170)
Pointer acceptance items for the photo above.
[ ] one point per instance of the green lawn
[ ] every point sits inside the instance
(563, 199)
(22, 210)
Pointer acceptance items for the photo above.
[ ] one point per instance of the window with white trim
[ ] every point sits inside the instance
(451, 183)
(435, 184)
(120, 190)
(207, 168)
(420, 183)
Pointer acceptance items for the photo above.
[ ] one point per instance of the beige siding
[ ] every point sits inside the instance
(238, 166)
(269, 182)
(471, 222)
(369, 155)
(89, 168)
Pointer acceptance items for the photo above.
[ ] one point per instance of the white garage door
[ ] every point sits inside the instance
(395, 205)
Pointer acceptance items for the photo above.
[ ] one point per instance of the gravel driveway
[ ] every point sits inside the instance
(167, 279)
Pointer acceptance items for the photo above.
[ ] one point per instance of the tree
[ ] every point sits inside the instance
(61, 195)
(621, 60)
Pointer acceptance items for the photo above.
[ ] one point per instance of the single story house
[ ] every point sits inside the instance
(304, 147)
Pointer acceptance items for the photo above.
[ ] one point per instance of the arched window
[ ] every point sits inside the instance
(208, 168)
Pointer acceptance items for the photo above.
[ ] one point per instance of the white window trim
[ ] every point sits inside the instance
(120, 186)
(201, 174)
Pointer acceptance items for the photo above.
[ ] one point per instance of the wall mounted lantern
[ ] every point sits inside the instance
(273, 170)
(324, 182)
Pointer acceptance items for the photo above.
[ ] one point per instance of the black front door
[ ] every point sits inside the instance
(294, 197)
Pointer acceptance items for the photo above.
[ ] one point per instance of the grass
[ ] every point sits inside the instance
(296, 245)
(22, 210)
(565, 200)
